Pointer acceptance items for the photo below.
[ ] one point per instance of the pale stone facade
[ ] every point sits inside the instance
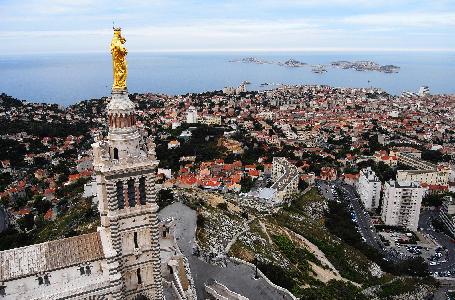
(401, 204)
(125, 258)
(122, 259)
(191, 115)
(430, 177)
(369, 188)
(285, 177)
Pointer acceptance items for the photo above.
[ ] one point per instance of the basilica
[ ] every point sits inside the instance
(133, 255)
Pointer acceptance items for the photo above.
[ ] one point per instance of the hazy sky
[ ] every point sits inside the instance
(186, 25)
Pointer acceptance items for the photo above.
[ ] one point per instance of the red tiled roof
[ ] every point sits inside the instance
(254, 173)
(23, 211)
(74, 177)
(48, 215)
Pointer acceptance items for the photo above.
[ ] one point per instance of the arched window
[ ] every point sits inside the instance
(120, 195)
(46, 280)
(115, 153)
(139, 277)
(131, 193)
(142, 194)
(40, 280)
(88, 270)
(136, 245)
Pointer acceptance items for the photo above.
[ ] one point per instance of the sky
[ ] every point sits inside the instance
(75, 26)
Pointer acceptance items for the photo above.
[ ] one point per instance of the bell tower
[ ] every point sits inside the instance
(125, 167)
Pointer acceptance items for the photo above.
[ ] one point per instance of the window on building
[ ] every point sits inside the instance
(139, 278)
(136, 245)
(82, 270)
(115, 153)
(2, 290)
(120, 195)
(40, 280)
(131, 193)
(46, 280)
(142, 194)
(88, 270)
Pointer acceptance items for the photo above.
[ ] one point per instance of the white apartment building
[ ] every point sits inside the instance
(424, 91)
(414, 160)
(401, 203)
(430, 177)
(369, 188)
(285, 177)
(191, 115)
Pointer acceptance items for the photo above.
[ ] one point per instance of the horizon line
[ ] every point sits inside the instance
(218, 50)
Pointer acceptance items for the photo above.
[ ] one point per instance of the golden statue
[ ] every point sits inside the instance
(119, 64)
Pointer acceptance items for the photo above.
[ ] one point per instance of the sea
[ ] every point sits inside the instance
(69, 78)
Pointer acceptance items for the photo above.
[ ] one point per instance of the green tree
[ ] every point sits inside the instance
(41, 204)
(247, 183)
(26, 222)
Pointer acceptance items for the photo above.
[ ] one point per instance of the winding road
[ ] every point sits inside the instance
(237, 277)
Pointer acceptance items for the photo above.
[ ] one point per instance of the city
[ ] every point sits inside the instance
(243, 162)
(250, 190)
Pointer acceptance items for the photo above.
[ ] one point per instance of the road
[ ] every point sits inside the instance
(373, 239)
(363, 219)
(238, 278)
(441, 238)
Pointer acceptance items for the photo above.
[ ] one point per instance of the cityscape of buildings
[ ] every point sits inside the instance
(295, 192)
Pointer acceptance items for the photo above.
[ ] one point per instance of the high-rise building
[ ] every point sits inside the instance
(369, 188)
(191, 115)
(401, 203)
(424, 91)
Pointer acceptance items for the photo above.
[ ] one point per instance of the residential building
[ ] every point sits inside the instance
(328, 173)
(285, 177)
(369, 188)
(401, 204)
(424, 91)
(191, 115)
(429, 177)
(413, 160)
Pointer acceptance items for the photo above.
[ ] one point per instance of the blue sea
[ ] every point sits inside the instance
(68, 78)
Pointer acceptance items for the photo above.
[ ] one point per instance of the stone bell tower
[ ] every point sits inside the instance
(125, 167)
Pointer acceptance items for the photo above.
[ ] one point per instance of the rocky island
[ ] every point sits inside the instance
(292, 63)
(288, 63)
(365, 65)
(361, 65)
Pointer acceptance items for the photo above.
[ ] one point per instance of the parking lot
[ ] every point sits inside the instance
(396, 245)
(407, 245)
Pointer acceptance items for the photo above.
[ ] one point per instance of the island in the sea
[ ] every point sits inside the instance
(288, 63)
(361, 65)
(365, 65)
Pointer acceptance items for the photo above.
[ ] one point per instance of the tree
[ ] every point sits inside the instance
(247, 183)
(302, 185)
(165, 197)
(434, 156)
(41, 204)
(435, 199)
(26, 222)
